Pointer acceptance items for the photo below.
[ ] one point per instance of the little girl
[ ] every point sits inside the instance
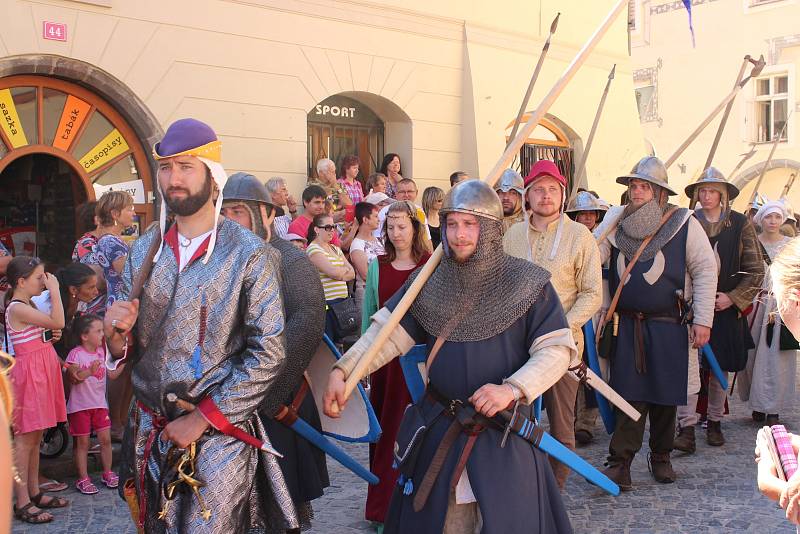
(87, 408)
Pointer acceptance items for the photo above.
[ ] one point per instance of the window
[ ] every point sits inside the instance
(771, 107)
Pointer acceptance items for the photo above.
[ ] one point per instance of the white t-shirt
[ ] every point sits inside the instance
(186, 252)
(372, 249)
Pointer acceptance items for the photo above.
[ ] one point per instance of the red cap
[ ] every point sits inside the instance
(542, 168)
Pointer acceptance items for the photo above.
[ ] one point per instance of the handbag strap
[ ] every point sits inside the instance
(613, 306)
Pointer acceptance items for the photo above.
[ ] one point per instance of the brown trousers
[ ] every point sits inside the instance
(559, 401)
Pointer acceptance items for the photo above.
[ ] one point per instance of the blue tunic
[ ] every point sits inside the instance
(514, 486)
(666, 343)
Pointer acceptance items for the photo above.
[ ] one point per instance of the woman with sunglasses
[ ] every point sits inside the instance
(334, 269)
(407, 248)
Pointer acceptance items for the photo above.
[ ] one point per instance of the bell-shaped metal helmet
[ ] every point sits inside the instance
(585, 201)
(650, 169)
(243, 186)
(475, 197)
(509, 180)
(712, 176)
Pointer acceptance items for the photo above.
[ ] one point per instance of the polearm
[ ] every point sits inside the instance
(747, 59)
(524, 106)
(758, 66)
(742, 161)
(769, 159)
(582, 166)
(788, 186)
(427, 270)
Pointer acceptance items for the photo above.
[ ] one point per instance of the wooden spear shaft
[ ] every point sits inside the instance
(788, 186)
(542, 55)
(725, 115)
(745, 157)
(411, 293)
(582, 166)
(769, 159)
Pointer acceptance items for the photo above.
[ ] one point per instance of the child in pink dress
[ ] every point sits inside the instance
(36, 378)
(87, 408)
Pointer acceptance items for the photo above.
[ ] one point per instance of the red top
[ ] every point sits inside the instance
(391, 279)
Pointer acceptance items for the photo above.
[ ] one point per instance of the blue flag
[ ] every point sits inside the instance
(688, 5)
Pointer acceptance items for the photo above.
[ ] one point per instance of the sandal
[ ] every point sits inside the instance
(110, 479)
(34, 518)
(86, 487)
(53, 486)
(54, 502)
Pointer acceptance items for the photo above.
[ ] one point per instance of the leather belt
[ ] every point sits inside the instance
(639, 353)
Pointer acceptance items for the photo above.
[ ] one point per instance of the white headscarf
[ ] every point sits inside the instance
(773, 206)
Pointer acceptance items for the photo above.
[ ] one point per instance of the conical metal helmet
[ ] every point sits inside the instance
(509, 180)
(712, 176)
(585, 201)
(243, 186)
(475, 197)
(650, 169)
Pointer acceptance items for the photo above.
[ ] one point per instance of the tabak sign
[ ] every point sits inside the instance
(54, 31)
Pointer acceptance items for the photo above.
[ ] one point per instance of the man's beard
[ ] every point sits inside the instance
(510, 210)
(192, 203)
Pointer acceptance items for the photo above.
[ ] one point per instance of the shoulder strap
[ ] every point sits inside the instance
(613, 306)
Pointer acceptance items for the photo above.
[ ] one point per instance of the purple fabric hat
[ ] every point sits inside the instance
(183, 135)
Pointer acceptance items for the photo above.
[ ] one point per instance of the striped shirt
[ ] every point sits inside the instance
(334, 289)
(354, 190)
(281, 225)
(18, 337)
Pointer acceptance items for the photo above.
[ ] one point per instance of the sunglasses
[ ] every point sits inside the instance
(327, 227)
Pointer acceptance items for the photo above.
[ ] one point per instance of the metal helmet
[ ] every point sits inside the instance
(789, 211)
(511, 179)
(650, 169)
(585, 201)
(475, 197)
(758, 201)
(243, 186)
(712, 176)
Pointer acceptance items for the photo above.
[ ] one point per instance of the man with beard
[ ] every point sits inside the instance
(209, 347)
(458, 478)
(740, 273)
(567, 249)
(510, 189)
(654, 350)
(247, 202)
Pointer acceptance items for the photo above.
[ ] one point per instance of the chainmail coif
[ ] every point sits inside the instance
(637, 224)
(481, 297)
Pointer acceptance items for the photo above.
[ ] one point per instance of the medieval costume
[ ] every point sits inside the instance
(586, 410)
(303, 464)
(512, 182)
(651, 358)
(768, 382)
(458, 478)
(210, 333)
(740, 274)
(389, 394)
(569, 252)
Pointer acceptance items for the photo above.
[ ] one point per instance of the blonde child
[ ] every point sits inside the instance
(87, 408)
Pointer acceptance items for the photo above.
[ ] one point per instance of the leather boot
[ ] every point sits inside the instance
(661, 467)
(685, 441)
(620, 473)
(714, 435)
(583, 437)
(772, 419)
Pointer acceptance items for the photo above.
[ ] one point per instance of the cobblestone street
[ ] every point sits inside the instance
(715, 492)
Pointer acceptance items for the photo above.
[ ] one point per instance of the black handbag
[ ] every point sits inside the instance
(347, 320)
(786, 341)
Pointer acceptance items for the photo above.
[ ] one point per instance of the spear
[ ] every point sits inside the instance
(758, 66)
(491, 178)
(745, 157)
(769, 159)
(521, 112)
(582, 166)
(788, 186)
(747, 59)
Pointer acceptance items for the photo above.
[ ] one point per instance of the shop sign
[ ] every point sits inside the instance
(9, 120)
(54, 31)
(102, 153)
(73, 115)
(133, 187)
(324, 110)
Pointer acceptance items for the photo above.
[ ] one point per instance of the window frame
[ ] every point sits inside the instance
(751, 130)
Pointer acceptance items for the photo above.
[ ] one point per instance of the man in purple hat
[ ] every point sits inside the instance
(209, 344)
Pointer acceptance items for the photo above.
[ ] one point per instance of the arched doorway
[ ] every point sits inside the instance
(340, 126)
(547, 141)
(60, 145)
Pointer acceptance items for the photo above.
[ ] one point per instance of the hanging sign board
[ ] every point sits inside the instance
(133, 187)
